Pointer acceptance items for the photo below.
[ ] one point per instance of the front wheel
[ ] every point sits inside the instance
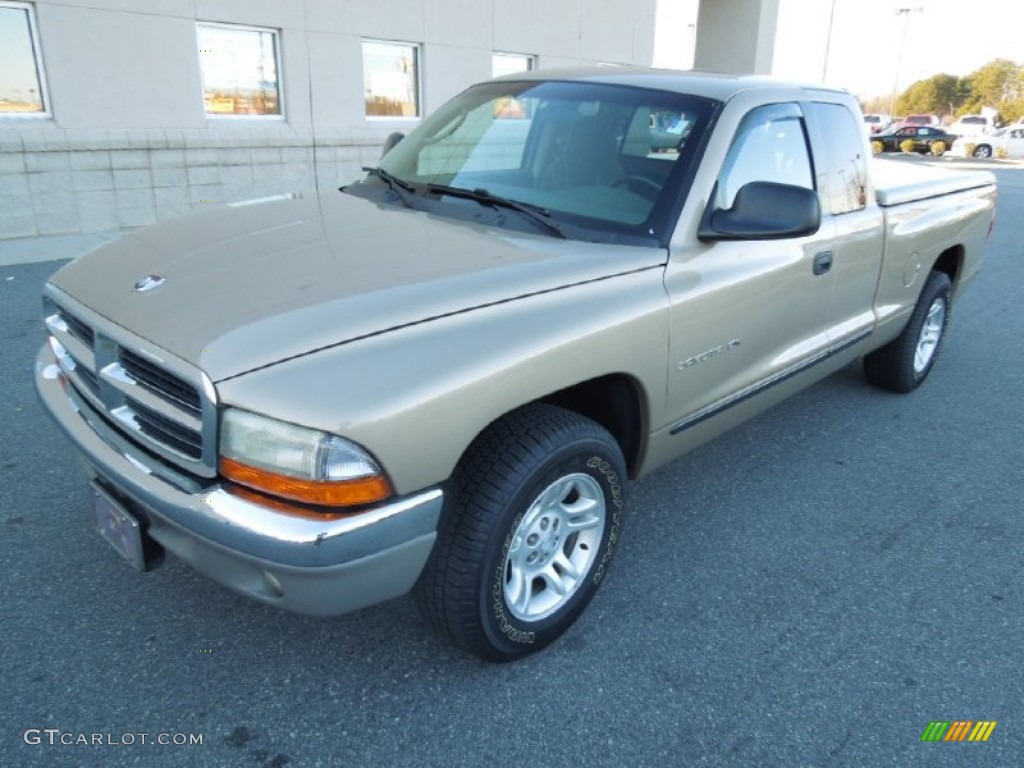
(534, 516)
(904, 363)
(983, 151)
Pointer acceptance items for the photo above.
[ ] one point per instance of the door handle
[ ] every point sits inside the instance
(823, 262)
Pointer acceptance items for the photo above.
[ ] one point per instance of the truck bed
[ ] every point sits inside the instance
(898, 182)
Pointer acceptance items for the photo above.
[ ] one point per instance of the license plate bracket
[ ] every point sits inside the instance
(120, 528)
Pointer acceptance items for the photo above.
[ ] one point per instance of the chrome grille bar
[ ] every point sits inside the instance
(154, 378)
(138, 391)
(58, 327)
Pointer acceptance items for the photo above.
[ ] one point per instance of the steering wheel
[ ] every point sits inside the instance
(641, 185)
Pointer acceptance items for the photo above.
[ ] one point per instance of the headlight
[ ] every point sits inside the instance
(297, 463)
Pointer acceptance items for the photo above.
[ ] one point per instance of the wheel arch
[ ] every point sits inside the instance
(950, 262)
(616, 401)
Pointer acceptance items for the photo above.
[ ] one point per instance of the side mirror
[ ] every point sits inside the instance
(763, 210)
(391, 141)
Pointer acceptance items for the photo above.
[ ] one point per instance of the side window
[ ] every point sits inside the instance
(842, 167)
(770, 145)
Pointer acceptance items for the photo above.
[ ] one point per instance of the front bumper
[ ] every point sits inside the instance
(305, 565)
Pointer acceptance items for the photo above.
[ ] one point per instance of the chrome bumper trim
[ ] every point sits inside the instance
(236, 541)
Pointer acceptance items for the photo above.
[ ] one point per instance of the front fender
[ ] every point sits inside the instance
(416, 397)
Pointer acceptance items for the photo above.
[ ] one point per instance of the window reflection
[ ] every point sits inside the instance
(391, 79)
(510, 64)
(20, 89)
(239, 69)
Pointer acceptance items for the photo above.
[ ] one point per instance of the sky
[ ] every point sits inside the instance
(942, 36)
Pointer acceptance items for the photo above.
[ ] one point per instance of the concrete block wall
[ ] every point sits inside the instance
(93, 181)
(127, 141)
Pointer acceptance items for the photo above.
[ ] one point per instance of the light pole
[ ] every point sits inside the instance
(905, 13)
(828, 42)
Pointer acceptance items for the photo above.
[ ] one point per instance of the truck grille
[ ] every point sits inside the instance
(157, 379)
(165, 430)
(155, 400)
(79, 330)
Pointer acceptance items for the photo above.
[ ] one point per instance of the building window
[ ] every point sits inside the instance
(21, 78)
(391, 79)
(240, 70)
(510, 63)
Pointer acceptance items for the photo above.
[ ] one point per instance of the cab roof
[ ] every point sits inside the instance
(711, 85)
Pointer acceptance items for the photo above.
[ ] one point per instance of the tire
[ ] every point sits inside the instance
(904, 363)
(877, 147)
(983, 151)
(937, 148)
(532, 520)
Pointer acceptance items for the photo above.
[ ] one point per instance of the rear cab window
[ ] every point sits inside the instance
(842, 164)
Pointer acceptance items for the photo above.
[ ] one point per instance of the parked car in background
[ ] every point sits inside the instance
(928, 120)
(926, 139)
(973, 125)
(1005, 142)
(876, 123)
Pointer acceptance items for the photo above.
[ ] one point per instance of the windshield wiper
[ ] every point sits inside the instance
(400, 187)
(535, 213)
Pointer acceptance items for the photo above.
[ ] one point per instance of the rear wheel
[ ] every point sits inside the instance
(534, 515)
(904, 363)
(877, 147)
(983, 151)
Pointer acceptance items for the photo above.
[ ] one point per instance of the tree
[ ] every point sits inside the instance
(938, 95)
(999, 84)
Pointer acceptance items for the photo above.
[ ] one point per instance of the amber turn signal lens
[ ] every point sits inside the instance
(339, 493)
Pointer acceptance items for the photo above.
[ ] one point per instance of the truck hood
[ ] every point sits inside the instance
(251, 284)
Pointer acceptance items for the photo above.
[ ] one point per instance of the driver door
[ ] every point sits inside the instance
(747, 314)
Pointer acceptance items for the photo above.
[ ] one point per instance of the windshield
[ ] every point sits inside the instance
(603, 162)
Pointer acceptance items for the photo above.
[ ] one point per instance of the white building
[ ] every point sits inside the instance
(118, 113)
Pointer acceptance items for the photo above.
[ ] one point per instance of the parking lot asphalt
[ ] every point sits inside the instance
(812, 589)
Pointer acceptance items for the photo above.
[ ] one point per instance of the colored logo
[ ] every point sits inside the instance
(958, 730)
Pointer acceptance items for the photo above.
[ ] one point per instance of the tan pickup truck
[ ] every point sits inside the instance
(441, 378)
